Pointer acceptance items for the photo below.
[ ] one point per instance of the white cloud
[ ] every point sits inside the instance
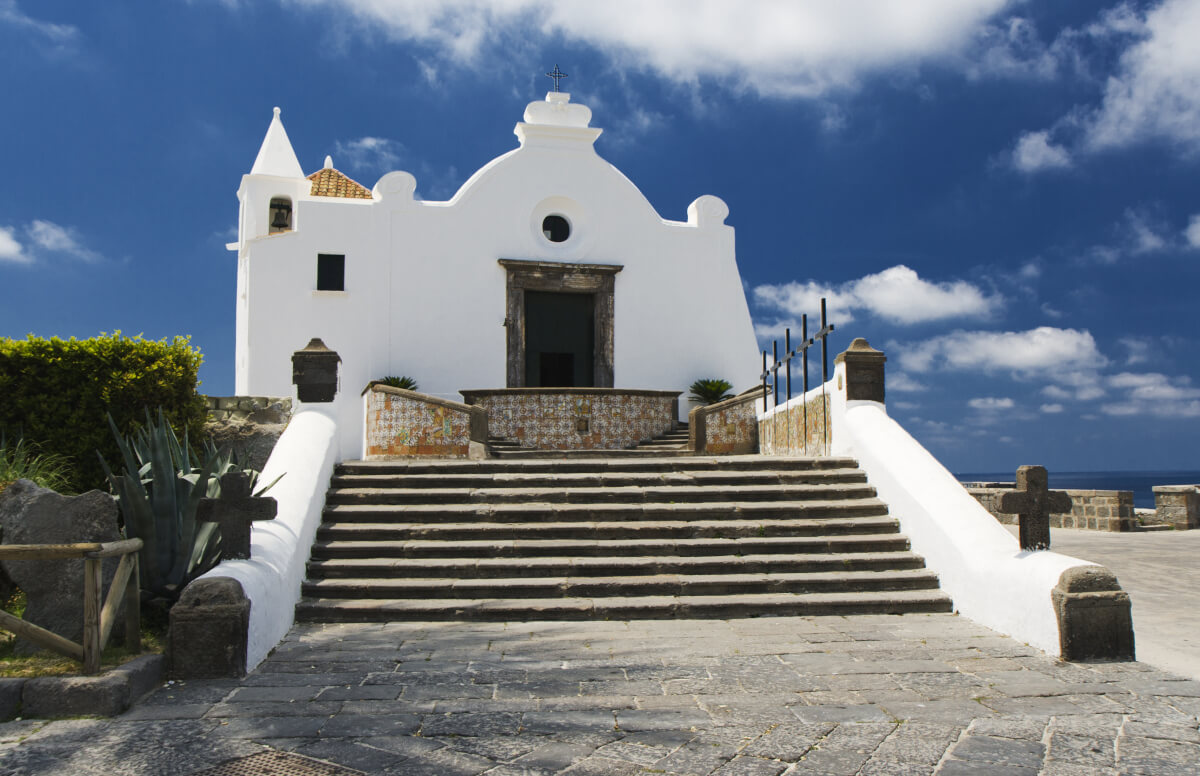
(1035, 152)
(1138, 349)
(801, 48)
(897, 295)
(1153, 93)
(1156, 91)
(55, 34)
(53, 238)
(368, 153)
(1055, 392)
(11, 249)
(1052, 409)
(1192, 233)
(42, 238)
(1154, 394)
(1012, 48)
(1137, 233)
(899, 381)
(1056, 355)
(1143, 234)
(991, 403)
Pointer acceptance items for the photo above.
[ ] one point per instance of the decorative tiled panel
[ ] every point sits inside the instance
(577, 419)
(1093, 510)
(405, 426)
(802, 429)
(730, 427)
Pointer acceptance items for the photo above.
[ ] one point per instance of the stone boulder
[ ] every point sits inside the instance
(30, 514)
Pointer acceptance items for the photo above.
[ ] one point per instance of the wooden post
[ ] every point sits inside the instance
(133, 609)
(92, 587)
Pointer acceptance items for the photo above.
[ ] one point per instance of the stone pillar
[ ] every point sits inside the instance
(315, 372)
(1094, 617)
(1177, 506)
(209, 631)
(864, 371)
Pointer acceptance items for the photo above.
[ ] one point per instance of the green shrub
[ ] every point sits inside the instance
(19, 461)
(407, 383)
(710, 391)
(56, 393)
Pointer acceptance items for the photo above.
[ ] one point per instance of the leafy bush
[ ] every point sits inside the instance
(710, 391)
(407, 383)
(19, 461)
(56, 393)
(158, 492)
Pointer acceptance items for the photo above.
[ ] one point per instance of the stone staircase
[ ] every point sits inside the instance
(609, 537)
(675, 440)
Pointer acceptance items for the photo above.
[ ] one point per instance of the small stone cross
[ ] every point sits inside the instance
(1033, 502)
(235, 511)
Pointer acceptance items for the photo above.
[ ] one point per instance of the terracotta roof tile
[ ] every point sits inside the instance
(328, 182)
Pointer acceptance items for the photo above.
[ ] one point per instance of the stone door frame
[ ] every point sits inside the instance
(564, 278)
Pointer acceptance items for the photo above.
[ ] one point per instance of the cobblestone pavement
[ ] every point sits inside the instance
(894, 695)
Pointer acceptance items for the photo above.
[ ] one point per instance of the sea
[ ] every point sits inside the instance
(1140, 482)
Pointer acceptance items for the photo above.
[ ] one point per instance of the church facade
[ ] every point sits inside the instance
(548, 268)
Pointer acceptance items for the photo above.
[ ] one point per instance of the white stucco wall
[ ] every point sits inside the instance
(425, 295)
(978, 562)
(271, 577)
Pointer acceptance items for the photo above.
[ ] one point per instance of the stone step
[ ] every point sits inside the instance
(510, 548)
(603, 479)
(631, 586)
(534, 512)
(589, 461)
(624, 494)
(526, 454)
(563, 566)
(623, 608)
(648, 529)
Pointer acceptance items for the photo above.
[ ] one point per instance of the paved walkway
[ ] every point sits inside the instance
(1161, 572)
(895, 695)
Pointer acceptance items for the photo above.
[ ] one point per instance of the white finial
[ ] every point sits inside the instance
(276, 111)
(328, 162)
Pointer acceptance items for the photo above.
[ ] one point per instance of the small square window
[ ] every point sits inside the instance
(331, 272)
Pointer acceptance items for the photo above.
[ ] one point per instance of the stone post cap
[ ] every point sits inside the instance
(317, 345)
(1176, 488)
(860, 349)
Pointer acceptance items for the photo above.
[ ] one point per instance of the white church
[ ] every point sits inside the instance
(548, 268)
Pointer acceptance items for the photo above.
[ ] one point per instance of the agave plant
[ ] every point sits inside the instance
(710, 390)
(407, 383)
(158, 492)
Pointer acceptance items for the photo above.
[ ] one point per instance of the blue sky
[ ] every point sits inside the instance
(1003, 196)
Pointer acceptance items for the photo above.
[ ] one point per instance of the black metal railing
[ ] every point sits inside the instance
(770, 374)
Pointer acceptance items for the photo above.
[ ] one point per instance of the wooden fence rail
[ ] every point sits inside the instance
(99, 611)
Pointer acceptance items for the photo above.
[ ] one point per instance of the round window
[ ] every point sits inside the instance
(556, 228)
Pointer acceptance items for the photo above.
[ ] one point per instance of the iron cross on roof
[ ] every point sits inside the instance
(557, 75)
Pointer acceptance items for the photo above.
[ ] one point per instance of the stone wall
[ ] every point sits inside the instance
(272, 410)
(577, 418)
(250, 424)
(728, 427)
(1093, 510)
(800, 428)
(1177, 506)
(402, 423)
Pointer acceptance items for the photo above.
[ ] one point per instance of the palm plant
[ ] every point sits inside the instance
(407, 383)
(710, 390)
